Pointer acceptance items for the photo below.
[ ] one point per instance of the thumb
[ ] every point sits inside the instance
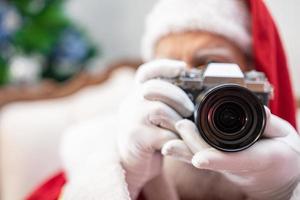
(276, 127)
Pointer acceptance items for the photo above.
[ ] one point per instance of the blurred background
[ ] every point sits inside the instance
(41, 30)
(55, 59)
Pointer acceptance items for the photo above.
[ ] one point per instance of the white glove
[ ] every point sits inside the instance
(147, 121)
(270, 169)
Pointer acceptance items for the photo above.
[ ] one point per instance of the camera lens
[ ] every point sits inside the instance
(229, 117)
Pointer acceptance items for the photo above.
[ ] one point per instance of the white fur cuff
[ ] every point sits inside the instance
(92, 162)
(98, 180)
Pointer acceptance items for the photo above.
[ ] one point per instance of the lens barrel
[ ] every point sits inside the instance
(230, 117)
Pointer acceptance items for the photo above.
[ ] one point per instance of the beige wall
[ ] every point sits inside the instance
(116, 25)
(287, 15)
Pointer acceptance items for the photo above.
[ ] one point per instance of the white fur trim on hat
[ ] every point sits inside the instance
(229, 18)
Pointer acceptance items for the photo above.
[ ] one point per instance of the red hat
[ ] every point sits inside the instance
(269, 57)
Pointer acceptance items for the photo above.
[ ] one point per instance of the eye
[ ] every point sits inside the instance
(203, 57)
(198, 62)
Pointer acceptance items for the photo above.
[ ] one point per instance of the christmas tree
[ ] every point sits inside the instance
(37, 34)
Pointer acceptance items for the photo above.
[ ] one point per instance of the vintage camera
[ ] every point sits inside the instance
(229, 110)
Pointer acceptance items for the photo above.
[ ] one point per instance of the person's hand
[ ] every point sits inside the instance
(147, 121)
(270, 169)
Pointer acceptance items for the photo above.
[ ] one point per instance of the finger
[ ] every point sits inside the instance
(160, 137)
(190, 135)
(257, 157)
(178, 150)
(276, 127)
(158, 90)
(162, 115)
(281, 130)
(159, 68)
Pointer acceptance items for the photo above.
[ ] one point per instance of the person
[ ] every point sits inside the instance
(151, 151)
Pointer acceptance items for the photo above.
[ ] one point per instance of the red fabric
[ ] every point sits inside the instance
(269, 57)
(50, 190)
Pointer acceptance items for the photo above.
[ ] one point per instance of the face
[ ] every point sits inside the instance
(199, 48)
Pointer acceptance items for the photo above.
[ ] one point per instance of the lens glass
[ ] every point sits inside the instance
(229, 118)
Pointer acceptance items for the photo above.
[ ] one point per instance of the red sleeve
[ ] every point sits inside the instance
(50, 190)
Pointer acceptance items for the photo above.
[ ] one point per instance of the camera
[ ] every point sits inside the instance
(229, 104)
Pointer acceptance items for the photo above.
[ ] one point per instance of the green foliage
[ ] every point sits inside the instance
(40, 30)
(3, 71)
(43, 28)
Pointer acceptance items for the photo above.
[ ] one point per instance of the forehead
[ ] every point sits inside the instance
(197, 48)
(188, 42)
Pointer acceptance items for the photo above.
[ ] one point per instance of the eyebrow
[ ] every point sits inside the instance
(215, 51)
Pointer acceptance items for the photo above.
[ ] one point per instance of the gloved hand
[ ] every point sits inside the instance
(270, 169)
(147, 121)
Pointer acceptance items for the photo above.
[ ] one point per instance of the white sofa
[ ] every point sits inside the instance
(30, 132)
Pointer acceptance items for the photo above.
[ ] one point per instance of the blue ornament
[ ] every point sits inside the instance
(9, 21)
(71, 46)
(70, 52)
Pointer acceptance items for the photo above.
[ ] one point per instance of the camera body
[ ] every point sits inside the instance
(229, 104)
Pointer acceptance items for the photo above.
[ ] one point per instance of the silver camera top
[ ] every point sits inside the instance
(222, 73)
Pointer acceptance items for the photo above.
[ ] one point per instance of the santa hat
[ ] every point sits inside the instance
(229, 18)
(247, 23)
